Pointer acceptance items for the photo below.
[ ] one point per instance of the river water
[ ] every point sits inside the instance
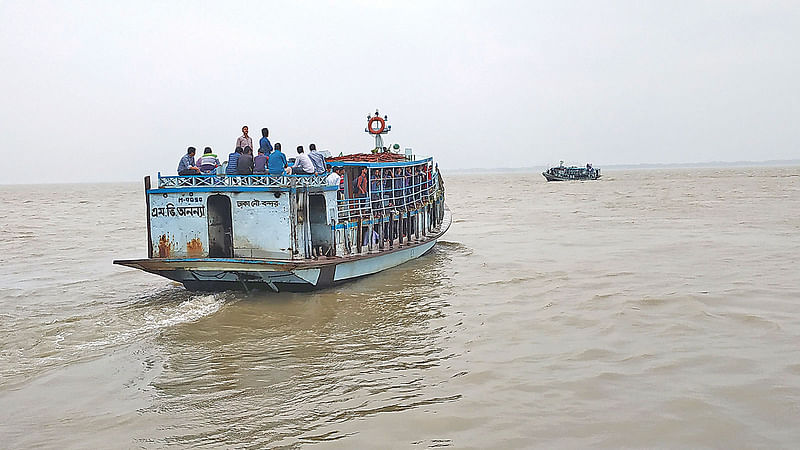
(652, 308)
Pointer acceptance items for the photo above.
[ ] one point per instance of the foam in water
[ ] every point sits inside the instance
(191, 310)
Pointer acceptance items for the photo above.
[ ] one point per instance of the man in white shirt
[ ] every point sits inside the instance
(302, 164)
(335, 179)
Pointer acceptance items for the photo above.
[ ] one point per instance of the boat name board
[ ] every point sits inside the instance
(255, 203)
(170, 210)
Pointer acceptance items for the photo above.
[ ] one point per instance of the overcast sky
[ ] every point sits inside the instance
(112, 91)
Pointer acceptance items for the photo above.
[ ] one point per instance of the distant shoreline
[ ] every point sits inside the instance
(531, 169)
(646, 166)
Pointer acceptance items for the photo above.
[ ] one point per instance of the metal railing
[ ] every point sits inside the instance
(241, 180)
(389, 194)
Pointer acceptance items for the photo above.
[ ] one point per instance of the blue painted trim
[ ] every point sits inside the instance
(380, 165)
(219, 189)
(231, 260)
(209, 175)
(340, 226)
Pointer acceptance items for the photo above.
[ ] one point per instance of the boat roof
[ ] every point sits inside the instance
(376, 160)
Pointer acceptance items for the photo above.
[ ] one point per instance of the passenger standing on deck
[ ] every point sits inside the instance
(362, 187)
(409, 176)
(362, 184)
(333, 178)
(388, 188)
(376, 188)
(317, 158)
(244, 166)
(303, 164)
(277, 161)
(186, 165)
(399, 188)
(264, 143)
(260, 163)
(244, 140)
(233, 158)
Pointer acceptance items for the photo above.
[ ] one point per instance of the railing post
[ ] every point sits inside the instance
(370, 231)
(147, 205)
(359, 235)
(380, 234)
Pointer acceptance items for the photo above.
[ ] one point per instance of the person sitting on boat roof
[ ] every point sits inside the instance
(208, 163)
(303, 164)
(244, 140)
(186, 165)
(264, 143)
(244, 166)
(233, 159)
(277, 161)
(317, 158)
(260, 163)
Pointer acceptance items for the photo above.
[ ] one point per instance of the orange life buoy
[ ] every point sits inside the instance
(379, 130)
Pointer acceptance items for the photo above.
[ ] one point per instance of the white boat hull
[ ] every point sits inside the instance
(215, 274)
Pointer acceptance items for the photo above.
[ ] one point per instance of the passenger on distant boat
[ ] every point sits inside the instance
(264, 143)
(233, 159)
(317, 158)
(244, 166)
(260, 162)
(277, 161)
(186, 166)
(208, 163)
(303, 164)
(244, 140)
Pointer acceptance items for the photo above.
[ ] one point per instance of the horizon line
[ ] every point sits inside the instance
(637, 166)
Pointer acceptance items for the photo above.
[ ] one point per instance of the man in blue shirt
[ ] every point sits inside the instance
(260, 163)
(277, 161)
(186, 166)
(264, 144)
(233, 159)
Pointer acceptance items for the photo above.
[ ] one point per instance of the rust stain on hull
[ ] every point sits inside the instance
(164, 246)
(194, 248)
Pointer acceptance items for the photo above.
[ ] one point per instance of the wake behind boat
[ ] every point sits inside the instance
(562, 173)
(295, 232)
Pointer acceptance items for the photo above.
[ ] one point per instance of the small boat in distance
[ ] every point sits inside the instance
(562, 173)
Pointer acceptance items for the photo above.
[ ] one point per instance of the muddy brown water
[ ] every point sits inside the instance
(652, 308)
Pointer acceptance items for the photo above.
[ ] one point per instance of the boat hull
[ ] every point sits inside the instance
(552, 177)
(219, 274)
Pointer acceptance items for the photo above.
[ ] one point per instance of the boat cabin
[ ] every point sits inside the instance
(294, 217)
